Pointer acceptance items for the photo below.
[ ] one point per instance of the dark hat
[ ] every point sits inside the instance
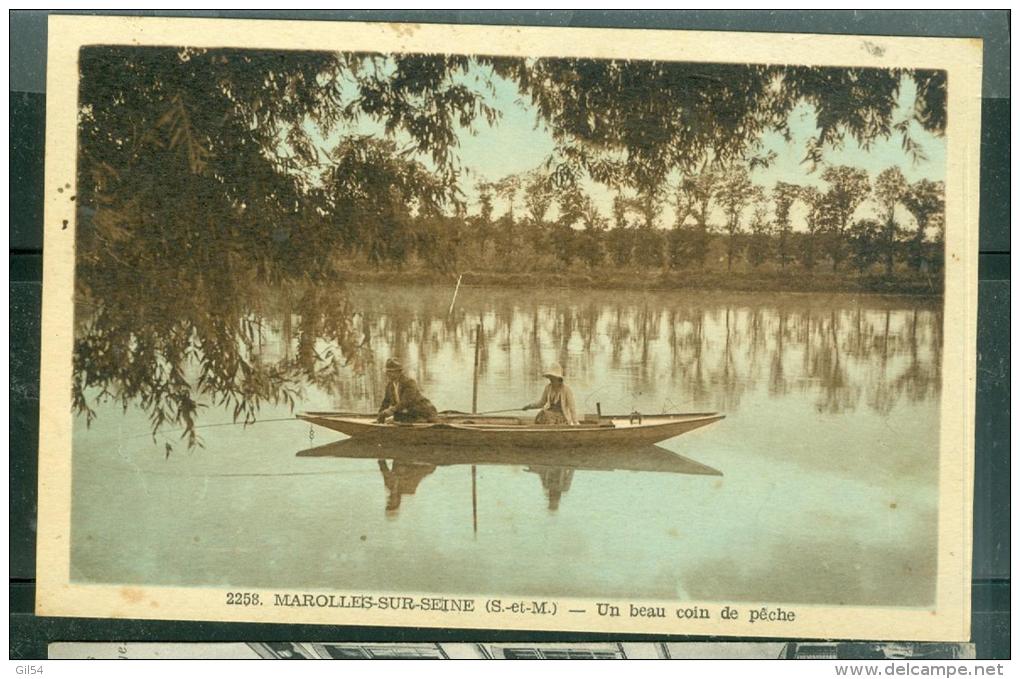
(393, 364)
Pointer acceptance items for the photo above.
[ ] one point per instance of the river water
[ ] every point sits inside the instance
(828, 458)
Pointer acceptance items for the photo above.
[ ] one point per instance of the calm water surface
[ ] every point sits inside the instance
(828, 456)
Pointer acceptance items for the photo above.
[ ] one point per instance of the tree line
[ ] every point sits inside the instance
(712, 220)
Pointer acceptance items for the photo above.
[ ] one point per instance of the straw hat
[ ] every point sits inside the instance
(554, 370)
(393, 365)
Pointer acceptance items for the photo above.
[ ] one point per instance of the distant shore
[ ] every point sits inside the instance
(915, 284)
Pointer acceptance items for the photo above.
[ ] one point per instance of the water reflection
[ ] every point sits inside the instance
(651, 351)
(403, 468)
(555, 482)
(402, 478)
(830, 449)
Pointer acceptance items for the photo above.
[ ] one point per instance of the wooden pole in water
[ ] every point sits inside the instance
(455, 291)
(474, 409)
(474, 380)
(474, 500)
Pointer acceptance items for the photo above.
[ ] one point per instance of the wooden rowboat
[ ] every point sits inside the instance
(600, 458)
(462, 429)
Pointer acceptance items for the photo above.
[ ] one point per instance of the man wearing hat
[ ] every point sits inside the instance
(557, 402)
(401, 399)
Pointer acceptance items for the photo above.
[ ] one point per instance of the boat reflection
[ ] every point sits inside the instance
(404, 468)
(555, 482)
(402, 478)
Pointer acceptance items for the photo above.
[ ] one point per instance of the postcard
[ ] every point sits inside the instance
(494, 327)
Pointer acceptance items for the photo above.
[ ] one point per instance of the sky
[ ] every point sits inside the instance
(518, 142)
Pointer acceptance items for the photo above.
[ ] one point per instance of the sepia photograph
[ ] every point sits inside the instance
(464, 326)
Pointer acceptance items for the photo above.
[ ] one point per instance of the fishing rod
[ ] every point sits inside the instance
(484, 412)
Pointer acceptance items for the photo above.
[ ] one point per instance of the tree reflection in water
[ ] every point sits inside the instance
(180, 348)
(700, 351)
(651, 351)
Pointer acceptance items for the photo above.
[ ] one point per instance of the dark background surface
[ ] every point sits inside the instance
(991, 572)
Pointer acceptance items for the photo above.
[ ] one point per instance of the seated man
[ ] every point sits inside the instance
(401, 400)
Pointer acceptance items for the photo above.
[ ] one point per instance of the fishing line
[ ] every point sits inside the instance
(225, 474)
(165, 432)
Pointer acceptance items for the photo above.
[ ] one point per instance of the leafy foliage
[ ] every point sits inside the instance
(507, 236)
(633, 122)
(815, 222)
(648, 242)
(848, 187)
(925, 201)
(734, 193)
(759, 248)
(199, 184)
(784, 195)
(620, 240)
(590, 239)
(890, 188)
(376, 200)
(699, 191)
(865, 239)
